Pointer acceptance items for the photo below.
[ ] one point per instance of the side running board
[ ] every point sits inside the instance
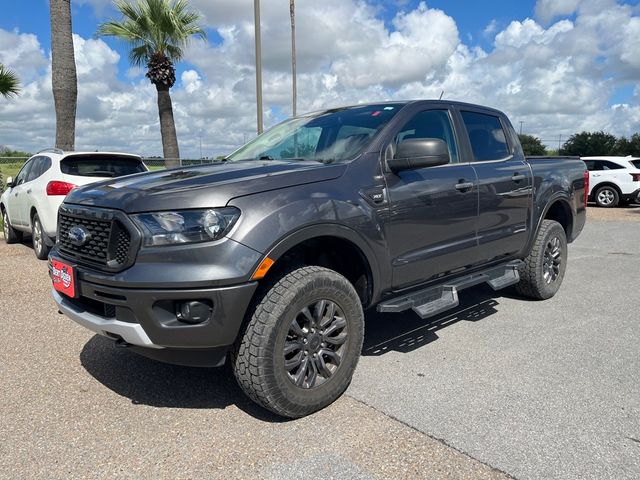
(434, 300)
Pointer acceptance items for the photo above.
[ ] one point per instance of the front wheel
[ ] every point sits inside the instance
(607, 197)
(10, 234)
(302, 343)
(543, 270)
(40, 246)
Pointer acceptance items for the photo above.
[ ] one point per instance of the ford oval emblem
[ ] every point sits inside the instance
(78, 236)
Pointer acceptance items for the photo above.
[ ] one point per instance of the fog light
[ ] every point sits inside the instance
(194, 311)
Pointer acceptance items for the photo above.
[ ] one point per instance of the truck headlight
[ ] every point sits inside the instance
(185, 226)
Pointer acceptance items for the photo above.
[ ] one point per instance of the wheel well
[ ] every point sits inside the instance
(561, 213)
(606, 184)
(334, 253)
(32, 213)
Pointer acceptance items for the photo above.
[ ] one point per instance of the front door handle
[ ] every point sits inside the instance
(517, 177)
(464, 186)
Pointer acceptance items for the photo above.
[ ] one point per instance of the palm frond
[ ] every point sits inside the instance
(9, 83)
(154, 26)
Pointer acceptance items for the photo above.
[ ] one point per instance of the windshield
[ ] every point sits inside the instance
(330, 136)
(101, 166)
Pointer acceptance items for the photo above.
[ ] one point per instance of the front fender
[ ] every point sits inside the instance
(274, 222)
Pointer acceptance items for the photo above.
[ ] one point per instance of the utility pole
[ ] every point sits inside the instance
(521, 122)
(256, 20)
(559, 143)
(200, 133)
(292, 14)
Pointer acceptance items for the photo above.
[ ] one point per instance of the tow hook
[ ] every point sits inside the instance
(121, 343)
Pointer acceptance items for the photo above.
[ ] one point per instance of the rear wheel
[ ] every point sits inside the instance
(607, 197)
(40, 246)
(10, 235)
(302, 343)
(543, 269)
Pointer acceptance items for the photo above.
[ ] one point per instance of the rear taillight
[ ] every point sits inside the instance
(586, 186)
(56, 187)
(635, 176)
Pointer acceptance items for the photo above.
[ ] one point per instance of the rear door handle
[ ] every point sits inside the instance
(463, 186)
(29, 191)
(517, 177)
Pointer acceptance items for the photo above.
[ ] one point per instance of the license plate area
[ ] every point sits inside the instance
(63, 276)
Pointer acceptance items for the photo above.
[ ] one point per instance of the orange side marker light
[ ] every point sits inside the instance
(262, 270)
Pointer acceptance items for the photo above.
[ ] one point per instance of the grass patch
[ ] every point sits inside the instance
(9, 170)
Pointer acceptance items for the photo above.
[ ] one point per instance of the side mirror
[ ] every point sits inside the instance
(10, 182)
(419, 153)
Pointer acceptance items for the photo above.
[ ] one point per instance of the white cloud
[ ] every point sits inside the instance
(547, 10)
(556, 76)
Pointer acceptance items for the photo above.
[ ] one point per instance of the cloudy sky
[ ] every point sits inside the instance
(559, 66)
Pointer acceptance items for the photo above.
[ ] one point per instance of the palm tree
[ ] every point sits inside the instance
(9, 83)
(157, 31)
(294, 87)
(63, 73)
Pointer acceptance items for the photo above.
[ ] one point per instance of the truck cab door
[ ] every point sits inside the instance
(504, 186)
(433, 210)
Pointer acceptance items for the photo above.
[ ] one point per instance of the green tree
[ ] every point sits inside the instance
(586, 144)
(63, 74)
(9, 83)
(629, 146)
(157, 32)
(532, 145)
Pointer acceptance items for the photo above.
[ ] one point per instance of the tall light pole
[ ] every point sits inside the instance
(256, 21)
(521, 122)
(292, 14)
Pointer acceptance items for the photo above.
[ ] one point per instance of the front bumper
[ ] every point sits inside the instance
(146, 318)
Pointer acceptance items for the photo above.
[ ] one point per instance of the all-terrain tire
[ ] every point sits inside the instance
(258, 359)
(10, 234)
(543, 270)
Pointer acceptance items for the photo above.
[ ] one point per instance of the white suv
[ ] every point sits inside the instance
(31, 200)
(613, 180)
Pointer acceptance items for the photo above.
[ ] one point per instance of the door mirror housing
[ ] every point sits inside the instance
(10, 182)
(419, 153)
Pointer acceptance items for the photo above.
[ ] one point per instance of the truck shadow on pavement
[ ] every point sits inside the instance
(152, 383)
(406, 331)
(156, 384)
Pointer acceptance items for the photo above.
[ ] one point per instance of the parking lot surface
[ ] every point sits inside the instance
(498, 387)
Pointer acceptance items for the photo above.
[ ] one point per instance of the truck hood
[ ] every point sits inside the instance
(202, 186)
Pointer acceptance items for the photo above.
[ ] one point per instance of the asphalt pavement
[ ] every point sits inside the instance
(498, 387)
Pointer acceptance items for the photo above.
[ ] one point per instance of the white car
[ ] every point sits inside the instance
(613, 180)
(31, 200)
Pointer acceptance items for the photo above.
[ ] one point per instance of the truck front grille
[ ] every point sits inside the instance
(108, 243)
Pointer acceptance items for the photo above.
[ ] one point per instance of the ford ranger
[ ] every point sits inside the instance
(269, 258)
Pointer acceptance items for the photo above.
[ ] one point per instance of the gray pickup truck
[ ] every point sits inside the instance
(269, 258)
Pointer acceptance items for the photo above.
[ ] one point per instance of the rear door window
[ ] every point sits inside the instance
(101, 166)
(487, 137)
(40, 165)
(606, 165)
